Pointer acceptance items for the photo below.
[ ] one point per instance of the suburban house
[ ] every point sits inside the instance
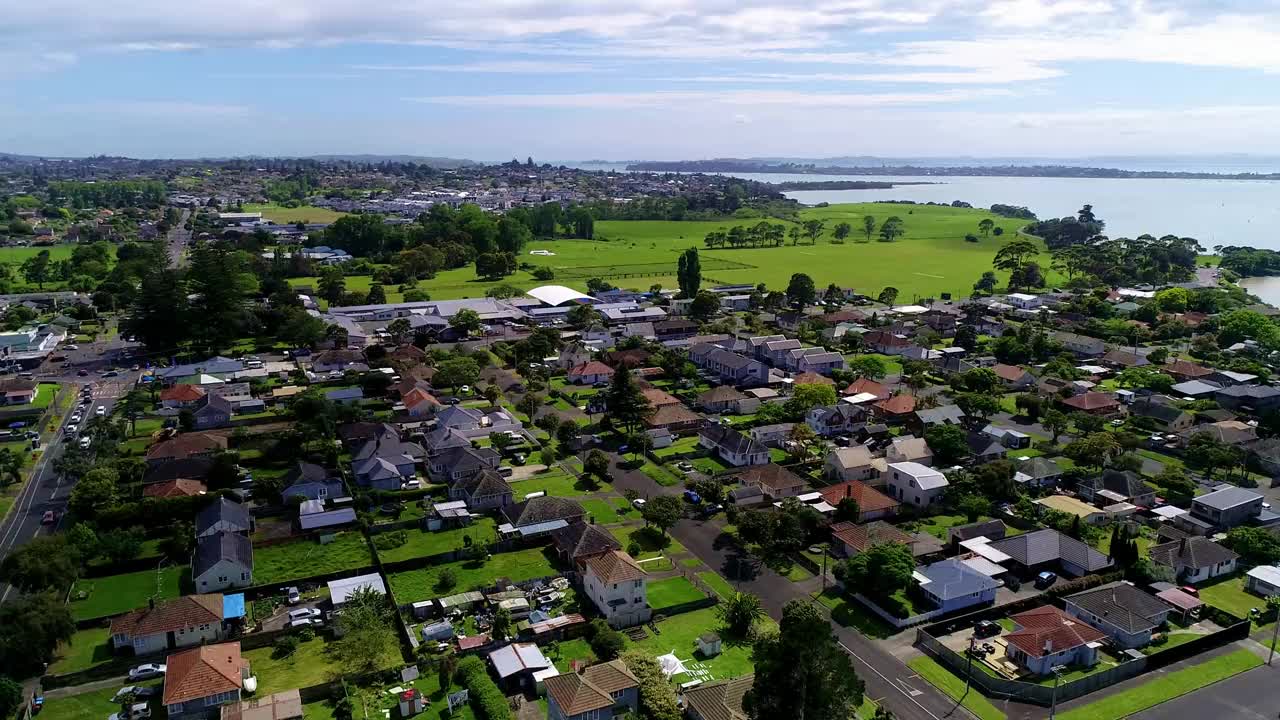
(420, 403)
(909, 449)
(914, 484)
(885, 343)
(572, 355)
(1185, 371)
(941, 415)
(1126, 614)
(867, 386)
(580, 541)
(544, 511)
(1195, 558)
(312, 482)
(185, 446)
(1161, 416)
(590, 373)
(1227, 507)
(617, 585)
(385, 462)
(772, 435)
(475, 423)
(725, 399)
(517, 664)
(729, 366)
(838, 419)
(169, 624)
(180, 487)
(223, 516)
(1227, 432)
(732, 446)
(1073, 506)
(1049, 549)
(1115, 486)
(599, 692)
(1014, 377)
(221, 561)
(17, 391)
(182, 395)
(486, 491)
(1255, 398)
(952, 585)
(673, 417)
(872, 504)
(339, 360)
(1093, 403)
(200, 680)
(456, 463)
(851, 463)
(895, 409)
(211, 411)
(1082, 345)
(774, 481)
(849, 539)
(983, 448)
(1263, 580)
(1045, 637)
(1122, 359)
(1038, 472)
(718, 700)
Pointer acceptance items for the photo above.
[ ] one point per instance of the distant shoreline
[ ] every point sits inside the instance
(1048, 171)
(843, 185)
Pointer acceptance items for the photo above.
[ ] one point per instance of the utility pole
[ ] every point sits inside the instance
(824, 577)
(1057, 675)
(1275, 630)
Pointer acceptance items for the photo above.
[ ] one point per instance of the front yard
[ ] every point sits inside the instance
(1165, 687)
(1230, 595)
(96, 704)
(87, 648)
(552, 483)
(416, 585)
(303, 558)
(116, 594)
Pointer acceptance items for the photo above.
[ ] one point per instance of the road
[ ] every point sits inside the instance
(179, 239)
(1253, 695)
(888, 680)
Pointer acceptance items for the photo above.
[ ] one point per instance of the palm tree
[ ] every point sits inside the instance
(739, 612)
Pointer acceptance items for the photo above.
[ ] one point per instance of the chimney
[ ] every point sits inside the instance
(151, 603)
(848, 491)
(1182, 546)
(1048, 646)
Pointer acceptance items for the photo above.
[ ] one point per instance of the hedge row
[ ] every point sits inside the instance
(486, 698)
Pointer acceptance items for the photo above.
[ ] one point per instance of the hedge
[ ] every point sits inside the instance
(486, 698)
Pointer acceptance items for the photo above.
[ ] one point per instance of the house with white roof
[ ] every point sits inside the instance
(914, 484)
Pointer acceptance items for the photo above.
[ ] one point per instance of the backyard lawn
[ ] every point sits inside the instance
(1231, 596)
(96, 704)
(607, 512)
(938, 525)
(671, 592)
(660, 474)
(652, 542)
(416, 585)
(954, 687)
(1164, 688)
(423, 543)
(86, 649)
(304, 559)
(310, 664)
(679, 633)
(115, 594)
(552, 483)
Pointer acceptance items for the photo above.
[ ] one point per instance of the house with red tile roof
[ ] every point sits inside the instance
(1093, 403)
(590, 373)
(181, 395)
(872, 504)
(869, 386)
(170, 624)
(180, 487)
(420, 403)
(618, 586)
(203, 678)
(895, 409)
(1046, 637)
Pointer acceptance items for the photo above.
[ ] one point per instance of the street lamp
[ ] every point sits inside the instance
(1057, 676)
(824, 573)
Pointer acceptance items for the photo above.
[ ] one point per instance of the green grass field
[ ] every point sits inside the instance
(717, 583)
(310, 664)
(1165, 687)
(671, 592)
(953, 686)
(425, 544)
(679, 633)
(87, 648)
(930, 258)
(416, 585)
(95, 704)
(302, 559)
(553, 483)
(115, 594)
(283, 215)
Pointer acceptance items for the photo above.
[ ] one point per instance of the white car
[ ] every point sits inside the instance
(72, 346)
(76, 418)
(304, 613)
(136, 711)
(146, 671)
(638, 503)
(101, 411)
(84, 442)
(72, 429)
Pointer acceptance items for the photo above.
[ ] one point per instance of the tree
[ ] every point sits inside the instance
(978, 405)
(689, 273)
(596, 465)
(987, 283)
(377, 295)
(1093, 450)
(842, 231)
(801, 291)
(1177, 486)
(34, 626)
(985, 226)
(36, 269)
(981, 380)
(704, 306)
(808, 396)
(628, 407)
(45, 562)
(949, 443)
(801, 672)
(739, 613)
(466, 321)
(456, 372)
(1012, 256)
(494, 265)
(365, 636)
(582, 316)
(663, 512)
(868, 366)
(10, 696)
(891, 229)
(1029, 404)
(847, 510)
(94, 492)
(973, 507)
(657, 694)
(888, 296)
(605, 642)
(501, 626)
(1255, 545)
(868, 226)
(813, 229)
(881, 570)
(10, 466)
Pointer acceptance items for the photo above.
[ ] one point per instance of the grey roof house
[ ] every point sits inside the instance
(223, 515)
(312, 482)
(221, 561)
(1125, 613)
(1048, 549)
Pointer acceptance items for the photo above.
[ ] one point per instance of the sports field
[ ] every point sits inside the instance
(281, 215)
(932, 256)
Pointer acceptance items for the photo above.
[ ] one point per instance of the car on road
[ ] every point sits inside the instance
(76, 417)
(138, 691)
(49, 518)
(293, 595)
(146, 671)
(82, 372)
(102, 410)
(72, 428)
(72, 346)
(638, 503)
(986, 629)
(111, 373)
(692, 497)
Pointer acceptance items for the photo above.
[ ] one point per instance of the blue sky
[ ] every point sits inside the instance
(649, 79)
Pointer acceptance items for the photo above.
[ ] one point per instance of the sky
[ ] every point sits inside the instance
(640, 79)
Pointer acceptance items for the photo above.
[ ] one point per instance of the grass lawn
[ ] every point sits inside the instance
(44, 395)
(938, 525)
(303, 559)
(1175, 639)
(953, 686)
(1230, 595)
(553, 483)
(850, 613)
(86, 649)
(311, 664)
(425, 544)
(282, 215)
(709, 465)
(115, 594)
(717, 583)
(692, 562)
(682, 446)
(652, 543)
(606, 512)
(796, 572)
(1165, 687)
(96, 704)
(660, 474)
(416, 585)
(672, 591)
(678, 635)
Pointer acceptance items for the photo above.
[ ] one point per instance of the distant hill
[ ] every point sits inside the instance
(439, 162)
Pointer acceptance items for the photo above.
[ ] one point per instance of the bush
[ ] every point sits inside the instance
(605, 642)
(486, 699)
(284, 646)
(447, 579)
(390, 540)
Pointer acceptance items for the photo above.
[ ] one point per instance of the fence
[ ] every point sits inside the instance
(1234, 629)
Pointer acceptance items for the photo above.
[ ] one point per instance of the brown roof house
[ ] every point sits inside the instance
(718, 700)
(872, 504)
(1046, 637)
(181, 487)
(170, 624)
(774, 481)
(204, 678)
(618, 586)
(1014, 377)
(599, 692)
(186, 446)
(725, 399)
(1094, 403)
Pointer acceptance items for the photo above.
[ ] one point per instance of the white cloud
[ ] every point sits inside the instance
(511, 67)
(755, 98)
(1040, 13)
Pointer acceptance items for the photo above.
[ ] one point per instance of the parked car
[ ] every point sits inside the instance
(100, 411)
(293, 595)
(305, 622)
(72, 346)
(692, 497)
(82, 372)
(49, 518)
(986, 629)
(1189, 590)
(1045, 579)
(638, 503)
(84, 442)
(138, 691)
(75, 418)
(303, 613)
(73, 429)
(136, 711)
(146, 671)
